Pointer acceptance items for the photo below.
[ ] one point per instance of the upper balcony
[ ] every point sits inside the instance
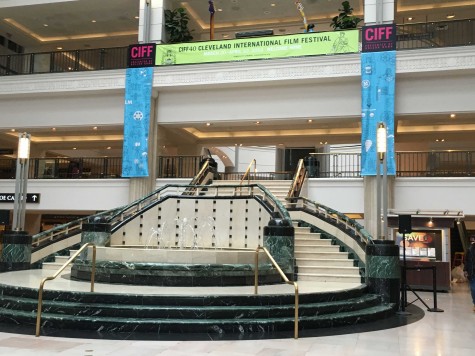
(409, 36)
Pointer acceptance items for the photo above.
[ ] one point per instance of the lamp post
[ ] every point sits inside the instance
(21, 180)
(381, 146)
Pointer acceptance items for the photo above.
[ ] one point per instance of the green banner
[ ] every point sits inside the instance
(306, 44)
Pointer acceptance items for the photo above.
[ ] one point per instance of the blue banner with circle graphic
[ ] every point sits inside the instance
(378, 74)
(138, 93)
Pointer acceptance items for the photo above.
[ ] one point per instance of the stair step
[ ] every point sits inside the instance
(321, 254)
(317, 248)
(312, 242)
(146, 312)
(314, 277)
(333, 270)
(194, 325)
(55, 266)
(337, 262)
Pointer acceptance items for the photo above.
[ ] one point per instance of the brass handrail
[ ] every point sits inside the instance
(71, 259)
(246, 174)
(298, 180)
(286, 280)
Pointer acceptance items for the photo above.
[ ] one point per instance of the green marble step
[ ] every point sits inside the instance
(194, 325)
(182, 312)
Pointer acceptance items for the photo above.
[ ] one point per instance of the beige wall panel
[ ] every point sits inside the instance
(222, 216)
(205, 223)
(238, 223)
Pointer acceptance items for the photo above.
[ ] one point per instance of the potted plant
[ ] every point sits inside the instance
(176, 26)
(345, 20)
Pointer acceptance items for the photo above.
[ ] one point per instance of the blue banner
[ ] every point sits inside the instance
(138, 93)
(378, 74)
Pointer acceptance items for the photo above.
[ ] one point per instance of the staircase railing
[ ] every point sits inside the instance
(299, 179)
(334, 217)
(71, 259)
(176, 190)
(286, 280)
(118, 216)
(247, 173)
(205, 174)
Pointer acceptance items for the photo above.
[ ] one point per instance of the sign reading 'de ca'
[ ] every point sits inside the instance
(10, 198)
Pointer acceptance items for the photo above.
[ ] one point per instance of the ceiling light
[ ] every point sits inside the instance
(208, 124)
(430, 223)
(45, 25)
(450, 16)
(258, 122)
(220, 10)
(410, 18)
(93, 21)
(272, 4)
(74, 148)
(59, 48)
(225, 35)
(12, 130)
(53, 129)
(109, 147)
(94, 128)
(309, 120)
(452, 116)
(136, 17)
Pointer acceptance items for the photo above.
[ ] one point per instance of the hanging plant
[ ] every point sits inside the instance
(345, 19)
(176, 26)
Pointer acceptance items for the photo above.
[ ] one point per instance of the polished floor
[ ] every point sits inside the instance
(451, 332)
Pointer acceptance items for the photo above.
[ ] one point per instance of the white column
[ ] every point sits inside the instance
(379, 11)
(152, 22)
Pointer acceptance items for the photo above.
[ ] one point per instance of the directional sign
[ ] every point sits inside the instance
(10, 198)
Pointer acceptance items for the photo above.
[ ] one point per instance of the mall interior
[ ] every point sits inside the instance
(63, 81)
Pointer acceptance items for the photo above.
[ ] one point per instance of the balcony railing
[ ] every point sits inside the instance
(409, 36)
(66, 168)
(319, 165)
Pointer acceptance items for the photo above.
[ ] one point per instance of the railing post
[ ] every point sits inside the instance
(102, 54)
(32, 63)
(51, 62)
(76, 60)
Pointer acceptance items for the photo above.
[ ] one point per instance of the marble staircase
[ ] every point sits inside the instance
(112, 313)
(319, 260)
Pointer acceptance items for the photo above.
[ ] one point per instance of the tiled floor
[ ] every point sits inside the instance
(451, 332)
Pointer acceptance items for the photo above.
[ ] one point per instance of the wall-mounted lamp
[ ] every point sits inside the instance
(21, 181)
(24, 146)
(381, 144)
(430, 223)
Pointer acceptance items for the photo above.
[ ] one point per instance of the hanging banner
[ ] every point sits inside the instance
(138, 93)
(307, 44)
(378, 73)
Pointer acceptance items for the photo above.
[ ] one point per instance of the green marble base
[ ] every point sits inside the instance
(16, 251)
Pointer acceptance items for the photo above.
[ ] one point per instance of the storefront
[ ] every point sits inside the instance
(425, 247)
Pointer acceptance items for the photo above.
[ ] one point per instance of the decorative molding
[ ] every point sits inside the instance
(241, 73)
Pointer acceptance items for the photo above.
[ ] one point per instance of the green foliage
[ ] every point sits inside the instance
(345, 20)
(176, 26)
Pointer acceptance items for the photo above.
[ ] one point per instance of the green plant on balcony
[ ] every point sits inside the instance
(345, 19)
(176, 26)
